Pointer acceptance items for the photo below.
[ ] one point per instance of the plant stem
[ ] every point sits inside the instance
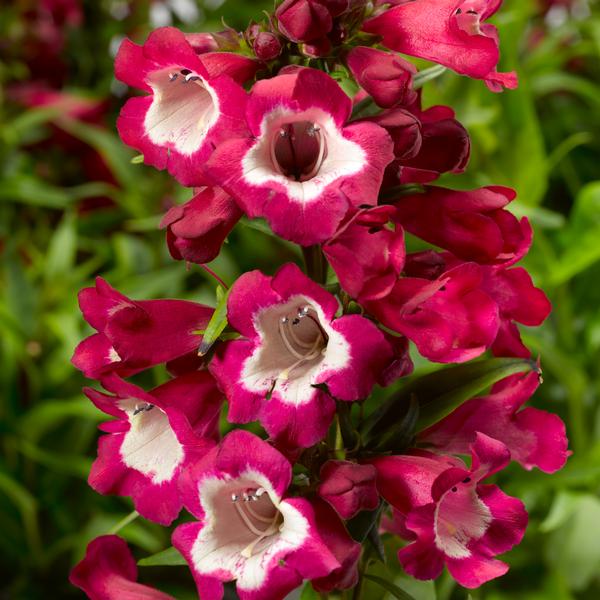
(316, 265)
(132, 516)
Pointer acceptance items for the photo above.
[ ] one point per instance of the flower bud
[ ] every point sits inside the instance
(303, 20)
(348, 487)
(317, 48)
(385, 76)
(267, 46)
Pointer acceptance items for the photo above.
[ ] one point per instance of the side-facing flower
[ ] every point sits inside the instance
(535, 438)
(294, 347)
(193, 102)
(386, 77)
(303, 169)
(473, 225)
(448, 32)
(247, 531)
(197, 229)
(108, 572)
(135, 335)
(156, 436)
(365, 254)
(348, 487)
(463, 524)
(450, 318)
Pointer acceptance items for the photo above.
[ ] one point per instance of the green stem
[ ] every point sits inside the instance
(132, 516)
(316, 265)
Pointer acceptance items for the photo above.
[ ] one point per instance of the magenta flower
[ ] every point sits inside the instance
(193, 102)
(156, 436)
(293, 346)
(247, 531)
(453, 518)
(348, 487)
(197, 229)
(303, 169)
(534, 437)
(366, 256)
(473, 225)
(448, 32)
(386, 77)
(449, 318)
(135, 335)
(109, 572)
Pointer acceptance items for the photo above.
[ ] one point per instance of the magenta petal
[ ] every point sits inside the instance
(109, 572)
(476, 570)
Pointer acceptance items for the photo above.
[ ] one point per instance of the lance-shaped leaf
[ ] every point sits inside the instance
(392, 588)
(438, 394)
(398, 438)
(166, 558)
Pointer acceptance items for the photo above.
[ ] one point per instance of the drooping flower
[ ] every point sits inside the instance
(303, 169)
(448, 32)
(386, 77)
(366, 256)
(293, 346)
(535, 438)
(473, 225)
(348, 487)
(453, 518)
(193, 102)
(135, 335)
(156, 436)
(109, 572)
(197, 229)
(247, 530)
(450, 318)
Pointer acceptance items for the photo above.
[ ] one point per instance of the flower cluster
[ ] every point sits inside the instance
(313, 122)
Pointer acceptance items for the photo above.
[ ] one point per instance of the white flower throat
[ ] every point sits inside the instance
(303, 337)
(261, 523)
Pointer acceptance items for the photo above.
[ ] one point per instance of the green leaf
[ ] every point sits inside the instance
(440, 392)
(422, 77)
(393, 589)
(60, 258)
(217, 323)
(401, 436)
(360, 526)
(308, 592)
(166, 558)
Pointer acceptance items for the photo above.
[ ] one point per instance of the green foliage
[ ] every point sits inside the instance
(75, 202)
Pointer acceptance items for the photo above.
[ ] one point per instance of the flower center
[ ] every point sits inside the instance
(262, 520)
(303, 337)
(298, 150)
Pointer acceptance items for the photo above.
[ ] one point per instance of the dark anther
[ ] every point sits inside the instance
(466, 480)
(454, 489)
(458, 11)
(185, 71)
(146, 408)
(472, 12)
(296, 321)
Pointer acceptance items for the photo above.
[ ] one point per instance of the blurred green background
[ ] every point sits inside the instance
(73, 205)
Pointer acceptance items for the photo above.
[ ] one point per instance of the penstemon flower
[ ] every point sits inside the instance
(247, 531)
(307, 121)
(293, 347)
